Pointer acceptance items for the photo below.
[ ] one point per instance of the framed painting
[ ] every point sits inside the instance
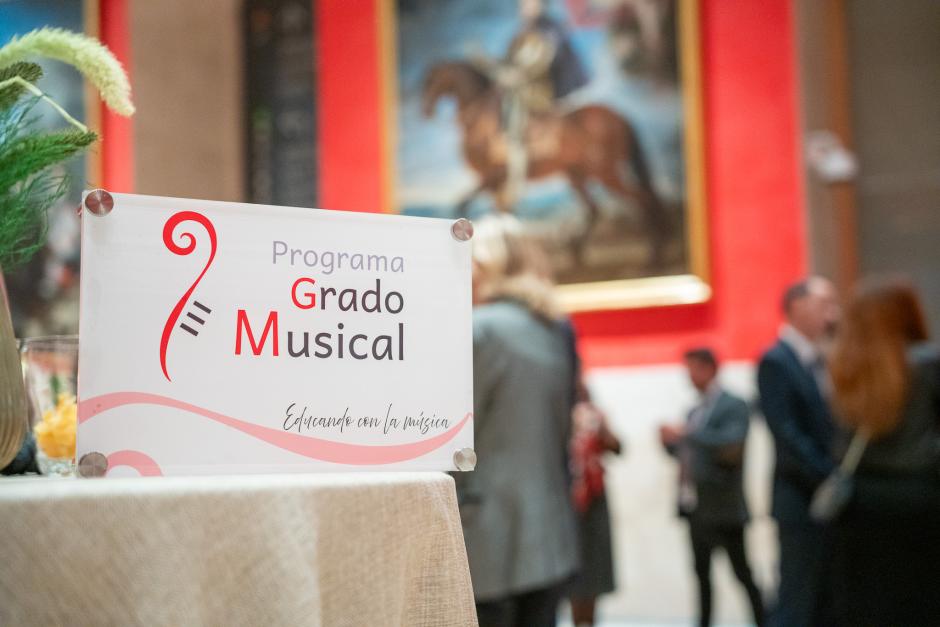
(580, 117)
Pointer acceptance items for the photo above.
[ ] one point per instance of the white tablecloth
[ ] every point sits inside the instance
(370, 550)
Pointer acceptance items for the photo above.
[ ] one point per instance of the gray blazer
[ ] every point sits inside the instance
(715, 453)
(518, 520)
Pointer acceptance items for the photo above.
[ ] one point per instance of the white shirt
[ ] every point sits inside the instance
(809, 355)
(806, 350)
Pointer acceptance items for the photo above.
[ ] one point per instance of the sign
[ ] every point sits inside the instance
(222, 337)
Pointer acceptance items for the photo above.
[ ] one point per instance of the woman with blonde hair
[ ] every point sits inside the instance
(518, 521)
(508, 263)
(886, 392)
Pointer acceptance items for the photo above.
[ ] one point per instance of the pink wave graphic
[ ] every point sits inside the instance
(143, 464)
(313, 448)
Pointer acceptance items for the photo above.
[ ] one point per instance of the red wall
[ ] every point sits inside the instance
(117, 133)
(756, 223)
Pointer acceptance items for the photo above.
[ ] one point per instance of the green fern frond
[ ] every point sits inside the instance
(24, 218)
(29, 155)
(29, 72)
(29, 184)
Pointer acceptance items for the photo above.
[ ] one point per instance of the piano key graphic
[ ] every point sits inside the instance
(197, 319)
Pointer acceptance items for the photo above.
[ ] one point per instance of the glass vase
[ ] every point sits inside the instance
(51, 368)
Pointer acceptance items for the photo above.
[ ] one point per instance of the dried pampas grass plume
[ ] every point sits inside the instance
(94, 61)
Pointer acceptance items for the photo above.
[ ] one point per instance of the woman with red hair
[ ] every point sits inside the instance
(886, 391)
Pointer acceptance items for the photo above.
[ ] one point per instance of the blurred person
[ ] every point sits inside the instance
(886, 389)
(794, 385)
(710, 449)
(518, 521)
(592, 439)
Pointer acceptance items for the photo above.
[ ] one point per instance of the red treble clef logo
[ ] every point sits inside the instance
(168, 228)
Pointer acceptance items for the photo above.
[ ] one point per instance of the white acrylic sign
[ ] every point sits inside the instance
(222, 337)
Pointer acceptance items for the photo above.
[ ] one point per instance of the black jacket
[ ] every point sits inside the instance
(803, 431)
(886, 544)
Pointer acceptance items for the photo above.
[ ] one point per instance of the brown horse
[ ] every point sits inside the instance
(588, 143)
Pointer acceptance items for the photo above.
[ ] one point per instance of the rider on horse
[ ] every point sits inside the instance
(540, 68)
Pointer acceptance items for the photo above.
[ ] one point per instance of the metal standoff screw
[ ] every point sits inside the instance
(92, 464)
(465, 459)
(99, 202)
(462, 229)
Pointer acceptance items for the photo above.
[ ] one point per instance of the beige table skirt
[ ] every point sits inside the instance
(370, 550)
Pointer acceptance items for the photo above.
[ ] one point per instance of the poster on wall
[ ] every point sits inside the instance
(43, 294)
(280, 114)
(581, 117)
(231, 338)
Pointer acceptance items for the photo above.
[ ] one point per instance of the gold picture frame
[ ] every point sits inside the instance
(690, 287)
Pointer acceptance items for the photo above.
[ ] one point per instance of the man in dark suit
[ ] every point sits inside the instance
(710, 448)
(793, 386)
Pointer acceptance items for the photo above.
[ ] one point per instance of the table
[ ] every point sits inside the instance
(371, 550)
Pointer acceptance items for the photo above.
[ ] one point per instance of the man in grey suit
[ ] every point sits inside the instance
(710, 449)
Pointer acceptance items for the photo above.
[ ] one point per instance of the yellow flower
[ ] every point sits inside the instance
(87, 55)
(55, 433)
